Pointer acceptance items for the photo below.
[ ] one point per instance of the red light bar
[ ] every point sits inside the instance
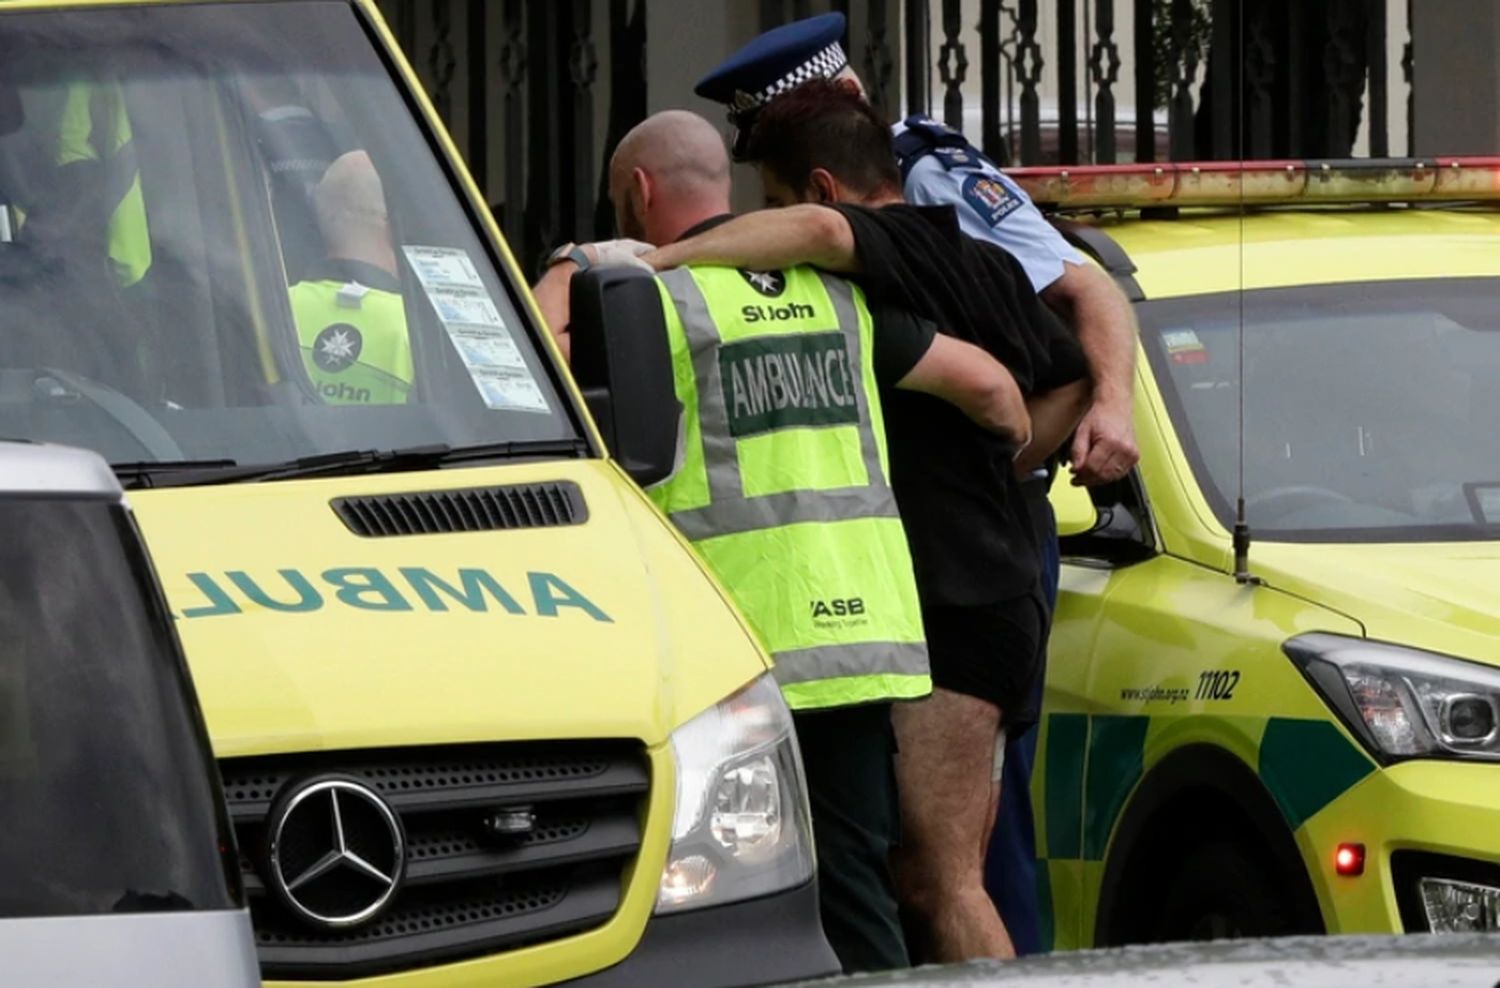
(1233, 183)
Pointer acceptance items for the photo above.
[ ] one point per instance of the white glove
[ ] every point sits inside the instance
(620, 253)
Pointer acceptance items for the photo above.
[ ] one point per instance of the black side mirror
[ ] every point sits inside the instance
(1120, 535)
(623, 364)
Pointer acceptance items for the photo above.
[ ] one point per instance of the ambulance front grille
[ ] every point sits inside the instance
(573, 809)
(474, 509)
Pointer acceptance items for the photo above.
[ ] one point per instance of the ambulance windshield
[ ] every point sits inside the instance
(1369, 413)
(225, 237)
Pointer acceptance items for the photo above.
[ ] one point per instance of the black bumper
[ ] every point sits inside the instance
(762, 941)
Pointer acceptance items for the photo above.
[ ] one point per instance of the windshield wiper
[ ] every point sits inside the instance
(151, 473)
(375, 461)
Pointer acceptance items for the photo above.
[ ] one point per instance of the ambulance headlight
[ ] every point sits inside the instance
(1454, 906)
(1404, 702)
(742, 827)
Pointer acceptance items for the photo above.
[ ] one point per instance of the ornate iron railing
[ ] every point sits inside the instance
(1058, 81)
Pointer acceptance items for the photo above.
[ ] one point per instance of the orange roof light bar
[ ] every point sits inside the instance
(1233, 183)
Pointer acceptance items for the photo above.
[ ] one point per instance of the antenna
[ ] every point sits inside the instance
(1242, 572)
(1241, 537)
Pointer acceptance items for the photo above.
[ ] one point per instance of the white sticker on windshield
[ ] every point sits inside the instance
(506, 388)
(481, 346)
(483, 341)
(469, 306)
(1184, 347)
(449, 266)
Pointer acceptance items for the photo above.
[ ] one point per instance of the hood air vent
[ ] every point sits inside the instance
(475, 509)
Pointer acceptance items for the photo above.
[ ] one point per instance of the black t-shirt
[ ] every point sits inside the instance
(918, 258)
(965, 514)
(901, 341)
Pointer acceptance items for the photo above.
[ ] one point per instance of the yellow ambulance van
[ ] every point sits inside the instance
(482, 717)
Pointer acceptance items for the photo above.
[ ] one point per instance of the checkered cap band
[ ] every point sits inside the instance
(824, 65)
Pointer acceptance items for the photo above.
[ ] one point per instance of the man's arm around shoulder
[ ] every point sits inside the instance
(769, 240)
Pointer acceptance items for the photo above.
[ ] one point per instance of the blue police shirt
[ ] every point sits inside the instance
(992, 207)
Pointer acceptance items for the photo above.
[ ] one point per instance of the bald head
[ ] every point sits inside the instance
(669, 173)
(350, 205)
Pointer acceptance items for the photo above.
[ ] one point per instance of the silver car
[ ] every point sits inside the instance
(1417, 961)
(117, 865)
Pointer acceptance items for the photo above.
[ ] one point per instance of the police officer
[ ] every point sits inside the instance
(782, 486)
(940, 167)
(351, 322)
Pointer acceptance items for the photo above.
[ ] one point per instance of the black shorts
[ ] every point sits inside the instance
(990, 651)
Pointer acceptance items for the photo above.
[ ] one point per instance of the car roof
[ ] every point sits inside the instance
(1295, 962)
(28, 468)
(1199, 251)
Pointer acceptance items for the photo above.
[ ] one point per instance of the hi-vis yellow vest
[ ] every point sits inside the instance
(354, 342)
(95, 126)
(782, 481)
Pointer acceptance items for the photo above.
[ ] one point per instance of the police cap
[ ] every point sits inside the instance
(773, 63)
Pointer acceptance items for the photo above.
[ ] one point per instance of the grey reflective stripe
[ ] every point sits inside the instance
(752, 514)
(719, 456)
(842, 295)
(729, 511)
(804, 665)
(713, 416)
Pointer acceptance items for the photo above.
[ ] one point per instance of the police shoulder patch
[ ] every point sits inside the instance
(989, 197)
(956, 157)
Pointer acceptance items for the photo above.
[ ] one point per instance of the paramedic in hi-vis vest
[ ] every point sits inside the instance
(940, 168)
(351, 322)
(783, 487)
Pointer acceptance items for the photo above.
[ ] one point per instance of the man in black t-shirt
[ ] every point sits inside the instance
(670, 179)
(973, 543)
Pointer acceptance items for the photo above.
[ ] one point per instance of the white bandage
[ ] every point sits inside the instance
(999, 767)
(621, 253)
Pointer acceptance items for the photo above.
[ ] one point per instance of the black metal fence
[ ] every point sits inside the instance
(1205, 79)
(1058, 81)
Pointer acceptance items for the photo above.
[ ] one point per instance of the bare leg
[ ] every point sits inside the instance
(943, 771)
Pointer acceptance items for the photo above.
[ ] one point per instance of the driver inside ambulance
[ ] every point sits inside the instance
(351, 322)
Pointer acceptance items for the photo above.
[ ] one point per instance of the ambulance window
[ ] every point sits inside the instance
(224, 236)
(1368, 408)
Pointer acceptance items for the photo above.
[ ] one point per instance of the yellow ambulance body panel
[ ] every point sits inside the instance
(482, 716)
(1214, 758)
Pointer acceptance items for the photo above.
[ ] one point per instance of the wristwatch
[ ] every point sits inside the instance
(570, 252)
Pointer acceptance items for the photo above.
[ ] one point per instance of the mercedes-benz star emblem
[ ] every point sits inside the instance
(769, 283)
(337, 852)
